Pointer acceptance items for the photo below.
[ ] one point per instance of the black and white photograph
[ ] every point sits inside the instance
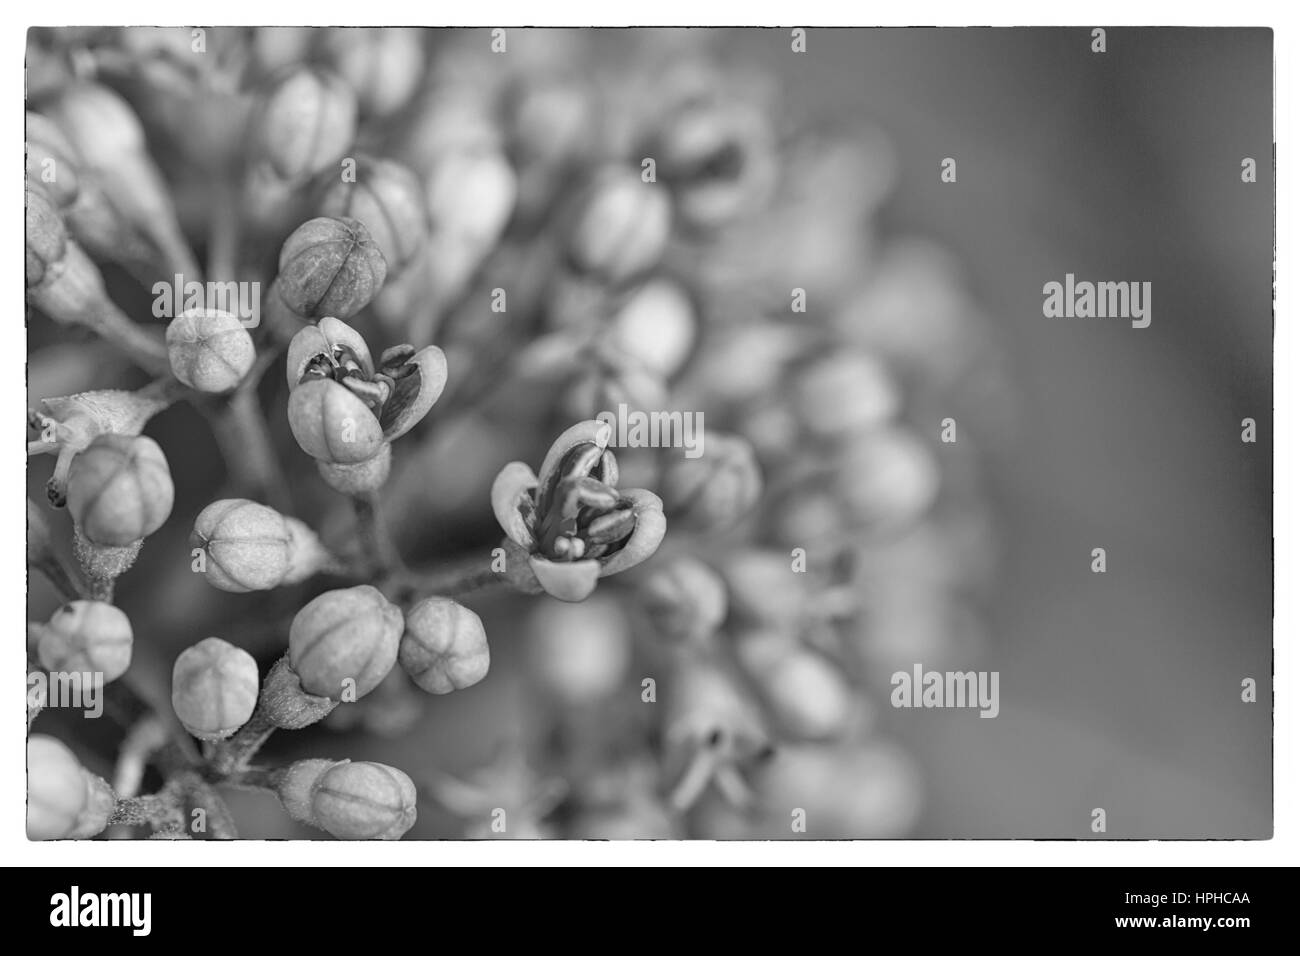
(706, 435)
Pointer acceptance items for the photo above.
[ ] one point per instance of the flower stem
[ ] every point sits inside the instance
(454, 580)
(232, 756)
(246, 446)
(376, 544)
(145, 350)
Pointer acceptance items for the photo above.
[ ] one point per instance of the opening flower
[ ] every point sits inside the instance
(571, 525)
(342, 407)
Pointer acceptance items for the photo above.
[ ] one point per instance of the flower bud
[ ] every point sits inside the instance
(332, 424)
(247, 545)
(389, 200)
(656, 325)
(214, 688)
(845, 393)
(765, 589)
(358, 478)
(685, 599)
(120, 490)
(887, 478)
(306, 122)
(383, 65)
(86, 637)
(64, 800)
(69, 423)
(717, 489)
(351, 800)
(209, 350)
(51, 160)
(444, 647)
(471, 194)
(110, 140)
(344, 642)
(47, 239)
(579, 652)
(718, 159)
(330, 267)
(622, 226)
(809, 697)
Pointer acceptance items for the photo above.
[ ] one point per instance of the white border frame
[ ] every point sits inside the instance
(1283, 848)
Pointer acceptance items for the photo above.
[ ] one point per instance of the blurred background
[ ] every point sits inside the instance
(1119, 690)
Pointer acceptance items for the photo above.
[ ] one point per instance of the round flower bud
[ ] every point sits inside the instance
(656, 326)
(717, 489)
(247, 546)
(351, 800)
(844, 393)
(719, 160)
(120, 490)
(306, 122)
(64, 800)
(47, 239)
(445, 647)
(579, 652)
(389, 200)
(209, 350)
(808, 695)
(685, 599)
(383, 65)
(86, 637)
(214, 688)
(330, 267)
(622, 226)
(344, 642)
(887, 478)
(332, 424)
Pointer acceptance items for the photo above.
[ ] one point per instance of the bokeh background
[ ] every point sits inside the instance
(1119, 691)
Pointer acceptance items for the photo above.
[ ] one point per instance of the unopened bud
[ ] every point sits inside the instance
(306, 122)
(685, 599)
(120, 490)
(86, 637)
(345, 640)
(349, 800)
(64, 800)
(330, 267)
(214, 688)
(444, 647)
(210, 351)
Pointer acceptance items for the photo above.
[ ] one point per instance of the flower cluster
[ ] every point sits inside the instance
(706, 598)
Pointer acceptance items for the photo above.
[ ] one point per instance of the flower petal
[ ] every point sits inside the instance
(591, 432)
(321, 339)
(511, 486)
(332, 424)
(572, 581)
(649, 531)
(415, 393)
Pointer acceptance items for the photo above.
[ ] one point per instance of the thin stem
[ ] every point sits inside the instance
(144, 349)
(69, 585)
(101, 589)
(155, 809)
(451, 581)
(233, 755)
(376, 544)
(223, 234)
(246, 446)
